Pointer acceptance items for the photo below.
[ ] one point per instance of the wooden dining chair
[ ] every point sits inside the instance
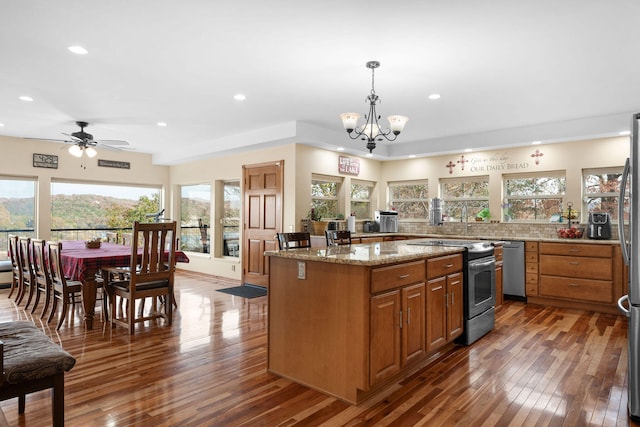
(42, 276)
(111, 237)
(15, 265)
(338, 237)
(150, 274)
(63, 290)
(294, 240)
(27, 278)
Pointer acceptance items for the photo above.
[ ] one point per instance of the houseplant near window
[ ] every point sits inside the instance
(318, 226)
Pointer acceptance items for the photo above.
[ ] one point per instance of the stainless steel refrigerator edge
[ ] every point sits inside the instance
(630, 304)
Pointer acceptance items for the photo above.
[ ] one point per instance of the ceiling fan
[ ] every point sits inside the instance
(83, 142)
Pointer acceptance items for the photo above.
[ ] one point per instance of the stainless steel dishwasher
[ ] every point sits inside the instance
(513, 269)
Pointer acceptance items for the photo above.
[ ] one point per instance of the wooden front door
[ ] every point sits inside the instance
(262, 219)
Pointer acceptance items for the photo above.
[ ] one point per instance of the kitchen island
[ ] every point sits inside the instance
(349, 320)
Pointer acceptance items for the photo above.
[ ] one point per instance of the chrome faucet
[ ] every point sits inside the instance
(464, 217)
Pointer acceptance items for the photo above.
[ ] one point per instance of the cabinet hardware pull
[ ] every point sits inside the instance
(404, 276)
(446, 299)
(408, 315)
(400, 318)
(452, 299)
(448, 265)
(574, 263)
(455, 283)
(573, 250)
(574, 284)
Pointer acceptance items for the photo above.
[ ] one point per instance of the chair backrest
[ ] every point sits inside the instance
(338, 237)
(40, 267)
(14, 254)
(26, 258)
(157, 258)
(127, 238)
(55, 265)
(294, 240)
(111, 237)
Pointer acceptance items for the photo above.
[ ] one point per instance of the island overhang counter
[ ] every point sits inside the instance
(349, 320)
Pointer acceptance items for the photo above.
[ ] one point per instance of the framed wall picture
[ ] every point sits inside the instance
(48, 161)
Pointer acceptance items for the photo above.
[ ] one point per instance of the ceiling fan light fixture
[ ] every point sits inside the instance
(75, 151)
(91, 152)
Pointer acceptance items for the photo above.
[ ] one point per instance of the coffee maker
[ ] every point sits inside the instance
(599, 226)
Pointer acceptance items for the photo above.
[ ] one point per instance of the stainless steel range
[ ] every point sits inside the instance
(479, 286)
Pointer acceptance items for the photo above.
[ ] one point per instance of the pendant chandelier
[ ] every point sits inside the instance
(371, 130)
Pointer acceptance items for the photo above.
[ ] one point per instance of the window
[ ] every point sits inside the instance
(17, 208)
(460, 195)
(361, 199)
(82, 211)
(324, 195)
(410, 199)
(534, 197)
(601, 191)
(195, 213)
(231, 219)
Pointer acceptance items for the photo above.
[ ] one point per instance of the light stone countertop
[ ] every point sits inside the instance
(367, 254)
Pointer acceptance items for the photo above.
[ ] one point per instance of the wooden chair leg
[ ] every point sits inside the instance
(21, 400)
(57, 400)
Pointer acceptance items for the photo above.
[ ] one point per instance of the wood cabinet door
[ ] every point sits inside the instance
(262, 188)
(413, 327)
(436, 313)
(385, 336)
(454, 306)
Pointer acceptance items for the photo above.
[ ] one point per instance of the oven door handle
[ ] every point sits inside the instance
(481, 265)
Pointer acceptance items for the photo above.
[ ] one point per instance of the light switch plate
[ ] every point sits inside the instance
(301, 270)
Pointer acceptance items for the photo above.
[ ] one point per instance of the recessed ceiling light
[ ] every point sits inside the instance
(536, 143)
(625, 133)
(1, 125)
(26, 98)
(239, 97)
(412, 156)
(468, 150)
(340, 148)
(161, 124)
(79, 50)
(434, 96)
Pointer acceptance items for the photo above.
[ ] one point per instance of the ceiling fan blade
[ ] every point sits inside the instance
(47, 139)
(108, 147)
(112, 142)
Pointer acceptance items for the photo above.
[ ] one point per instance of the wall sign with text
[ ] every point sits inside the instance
(45, 161)
(348, 165)
(114, 164)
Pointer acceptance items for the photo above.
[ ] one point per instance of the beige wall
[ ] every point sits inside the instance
(571, 157)
(300, 162)
(17, 160)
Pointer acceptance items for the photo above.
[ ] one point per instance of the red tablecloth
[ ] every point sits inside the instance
(77, 259)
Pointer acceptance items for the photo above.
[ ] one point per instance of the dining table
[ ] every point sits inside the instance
(81, 263)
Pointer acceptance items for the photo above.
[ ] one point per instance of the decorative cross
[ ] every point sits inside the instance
(462, 161)
(450, 165)
(537, 156)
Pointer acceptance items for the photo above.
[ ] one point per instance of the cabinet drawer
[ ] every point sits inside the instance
(576, 249)
(579, 267)
(394, 276)
(443, 266)
(531, 257)
(577, 289)
(531, 278)
(531, 290)
(531, 267)
(531, 246)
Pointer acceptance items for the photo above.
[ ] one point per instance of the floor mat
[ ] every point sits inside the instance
(245, 291)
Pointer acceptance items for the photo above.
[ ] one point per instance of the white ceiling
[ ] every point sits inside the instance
(509, 72)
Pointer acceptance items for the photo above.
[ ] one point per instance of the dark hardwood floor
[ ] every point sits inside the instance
(540, 367)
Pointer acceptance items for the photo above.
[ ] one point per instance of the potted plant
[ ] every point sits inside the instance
(318, 226)
(484, 215)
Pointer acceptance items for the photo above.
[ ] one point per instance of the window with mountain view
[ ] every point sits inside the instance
(17, 208)
(195, 214)
(83, 211)
(231, 219)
